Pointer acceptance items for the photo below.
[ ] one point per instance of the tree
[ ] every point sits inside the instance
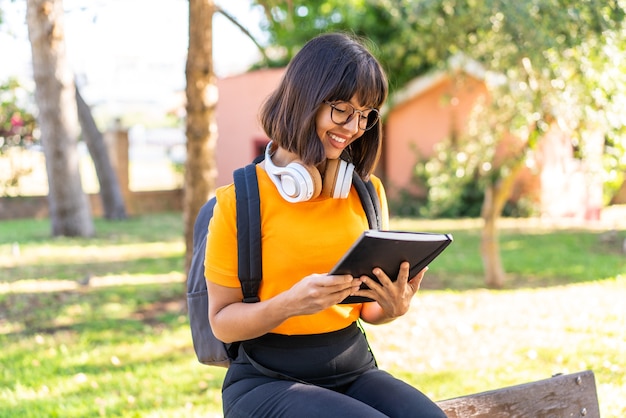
(550, 59)
(110, 191)
(201, 125)
(387, 23)
(70, 212)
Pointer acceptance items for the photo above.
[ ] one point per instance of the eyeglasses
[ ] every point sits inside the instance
(343, 112)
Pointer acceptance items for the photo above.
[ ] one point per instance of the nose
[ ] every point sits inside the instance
(353, 123)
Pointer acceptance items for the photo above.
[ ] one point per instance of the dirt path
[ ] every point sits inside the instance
(528, 334)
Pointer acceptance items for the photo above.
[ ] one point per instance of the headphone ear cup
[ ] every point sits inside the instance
(299, 183)
(337, 179)
(346, 179)
(314, 175)
(295, 182)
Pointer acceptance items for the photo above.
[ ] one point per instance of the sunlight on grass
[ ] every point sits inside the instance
(480, 340)
(119, 344)
(152, 369)
(51, 261)
(72, 254)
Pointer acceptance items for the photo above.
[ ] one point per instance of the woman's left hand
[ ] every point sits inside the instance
(393, 298)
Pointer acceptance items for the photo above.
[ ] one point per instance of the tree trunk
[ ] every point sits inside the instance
(110, 192)
(70, 213)
(489, 244)
(201, 130)
(496, 196)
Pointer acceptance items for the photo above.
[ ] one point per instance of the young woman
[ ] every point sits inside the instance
(303, 354)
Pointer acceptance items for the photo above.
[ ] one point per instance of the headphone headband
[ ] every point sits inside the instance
(298, 183)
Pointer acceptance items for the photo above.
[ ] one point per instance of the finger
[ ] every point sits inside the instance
(351, 283)
(378, 286)
(403, 274)
(382, 277)
(335, 280)
(416, 281)
(421, 273)
(366, 292)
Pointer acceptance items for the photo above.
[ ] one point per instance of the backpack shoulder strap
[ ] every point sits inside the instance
(369, 200)
(249, 225)
(248, 232)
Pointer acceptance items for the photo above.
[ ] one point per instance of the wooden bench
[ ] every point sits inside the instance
(571, 395)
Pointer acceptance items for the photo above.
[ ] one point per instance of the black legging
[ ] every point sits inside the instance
(249, 392)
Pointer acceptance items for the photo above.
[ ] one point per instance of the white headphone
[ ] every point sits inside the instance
(299, 183)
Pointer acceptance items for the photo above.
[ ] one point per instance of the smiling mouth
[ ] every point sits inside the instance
(337, 138)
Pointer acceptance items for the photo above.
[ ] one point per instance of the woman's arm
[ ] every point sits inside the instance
(232, 320)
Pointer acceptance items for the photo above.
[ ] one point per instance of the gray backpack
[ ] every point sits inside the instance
(209, 350)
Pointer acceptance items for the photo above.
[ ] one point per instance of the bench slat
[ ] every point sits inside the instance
(571, 395)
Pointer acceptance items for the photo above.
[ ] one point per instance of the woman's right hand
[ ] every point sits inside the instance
(317, 292)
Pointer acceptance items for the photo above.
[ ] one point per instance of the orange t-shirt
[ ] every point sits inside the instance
(298, 239)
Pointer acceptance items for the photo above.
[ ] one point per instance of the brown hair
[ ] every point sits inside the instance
(330, 67)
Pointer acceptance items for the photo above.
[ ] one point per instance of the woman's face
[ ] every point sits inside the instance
(335, 137)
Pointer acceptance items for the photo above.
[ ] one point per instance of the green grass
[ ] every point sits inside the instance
(142, 245)
(121, 345)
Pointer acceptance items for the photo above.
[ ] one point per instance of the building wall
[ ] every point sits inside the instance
(431, 111)
(569, 188)
(413, 127)
(239, 131)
